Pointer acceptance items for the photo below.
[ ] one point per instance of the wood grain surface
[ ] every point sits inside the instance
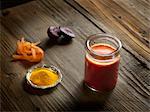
(129, 20)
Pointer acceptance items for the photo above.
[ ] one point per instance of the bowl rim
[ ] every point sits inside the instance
(51, 68)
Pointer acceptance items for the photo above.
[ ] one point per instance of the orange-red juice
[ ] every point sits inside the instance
(101, 74)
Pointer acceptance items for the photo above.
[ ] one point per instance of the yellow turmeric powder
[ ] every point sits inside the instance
(43, 77)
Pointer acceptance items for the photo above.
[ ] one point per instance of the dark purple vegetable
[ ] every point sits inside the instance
(60, 35)
(63, 40)
(53, 32)
(67, 32)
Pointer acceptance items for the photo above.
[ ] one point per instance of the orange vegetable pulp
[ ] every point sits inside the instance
(28, 51)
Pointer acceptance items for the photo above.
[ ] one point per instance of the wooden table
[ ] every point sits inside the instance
(129, 20)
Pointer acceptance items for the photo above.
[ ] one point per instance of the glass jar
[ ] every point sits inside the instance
(102, 62)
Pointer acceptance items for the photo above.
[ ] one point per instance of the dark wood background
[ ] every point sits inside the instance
(11, 3)
(129, 20)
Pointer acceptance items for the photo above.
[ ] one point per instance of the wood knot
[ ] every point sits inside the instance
(143, 33)
(37, 108)
(11, 75)
(119, 17)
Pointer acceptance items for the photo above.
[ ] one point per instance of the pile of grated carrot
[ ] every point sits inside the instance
(28, 51)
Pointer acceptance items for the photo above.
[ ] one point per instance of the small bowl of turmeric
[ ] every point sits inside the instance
(43, 77)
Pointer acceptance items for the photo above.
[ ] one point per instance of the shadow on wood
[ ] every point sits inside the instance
(90, 100)
(47, 43)
(35, 91)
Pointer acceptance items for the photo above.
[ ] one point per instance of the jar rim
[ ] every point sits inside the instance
(88, 47)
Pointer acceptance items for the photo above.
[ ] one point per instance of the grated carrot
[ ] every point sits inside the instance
(28, 51)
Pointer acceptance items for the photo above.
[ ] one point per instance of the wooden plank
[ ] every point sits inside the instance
(131, 92)
(133, 11)
(18, 24)
(118, 28)
(138, 24)
(95, 11)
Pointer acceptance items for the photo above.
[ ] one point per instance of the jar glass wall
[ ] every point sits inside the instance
(102, 62)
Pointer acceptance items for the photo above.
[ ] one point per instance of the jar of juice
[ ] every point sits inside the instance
(102, 62)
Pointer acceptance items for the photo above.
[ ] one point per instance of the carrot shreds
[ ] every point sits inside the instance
(37, 43)
(28, 51)
(22, 39)
(33, 53)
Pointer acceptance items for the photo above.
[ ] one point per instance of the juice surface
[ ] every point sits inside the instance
(101, 75)
(103, 49)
